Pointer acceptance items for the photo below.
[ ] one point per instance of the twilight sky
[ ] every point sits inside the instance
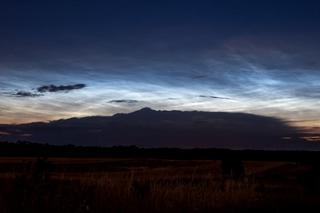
(61, 59)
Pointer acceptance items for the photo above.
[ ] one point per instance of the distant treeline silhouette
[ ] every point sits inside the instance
(29, 149)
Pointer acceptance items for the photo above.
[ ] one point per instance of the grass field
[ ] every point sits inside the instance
(153, 185)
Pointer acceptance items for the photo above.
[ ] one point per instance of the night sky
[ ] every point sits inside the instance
(61, 59)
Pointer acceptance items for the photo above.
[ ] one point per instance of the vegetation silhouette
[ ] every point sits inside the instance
(26, 148)
(133, 179)
(311, 178)
(232, 168)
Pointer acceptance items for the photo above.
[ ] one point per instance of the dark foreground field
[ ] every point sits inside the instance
(155, 185)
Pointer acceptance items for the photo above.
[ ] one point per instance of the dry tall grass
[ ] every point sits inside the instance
(163, 189)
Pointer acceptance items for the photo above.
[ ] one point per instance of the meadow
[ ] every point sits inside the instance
(29, 184)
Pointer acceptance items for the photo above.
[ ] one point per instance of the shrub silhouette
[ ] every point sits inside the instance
(36, 172)
(140, 188)
(310, 180)
(40, 169)
(232, 168)
(34, 181)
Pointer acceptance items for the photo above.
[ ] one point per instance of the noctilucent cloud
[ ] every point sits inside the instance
(61, 59)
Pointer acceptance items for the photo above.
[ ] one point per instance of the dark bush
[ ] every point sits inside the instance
(232, 168)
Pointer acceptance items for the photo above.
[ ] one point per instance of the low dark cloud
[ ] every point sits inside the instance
(256, 132)
(127, 101)
(61, 88)
(26, 94)
(47, 88)
(213, 97)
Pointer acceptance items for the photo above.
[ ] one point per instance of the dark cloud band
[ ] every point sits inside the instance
(26, 94)
(213, 97)
(61, 88)
(47, 88)
(128, 101)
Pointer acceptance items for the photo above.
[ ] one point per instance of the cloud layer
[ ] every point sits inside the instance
(61, 88)
(212, 97)
(26, 94)
(126, 101)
